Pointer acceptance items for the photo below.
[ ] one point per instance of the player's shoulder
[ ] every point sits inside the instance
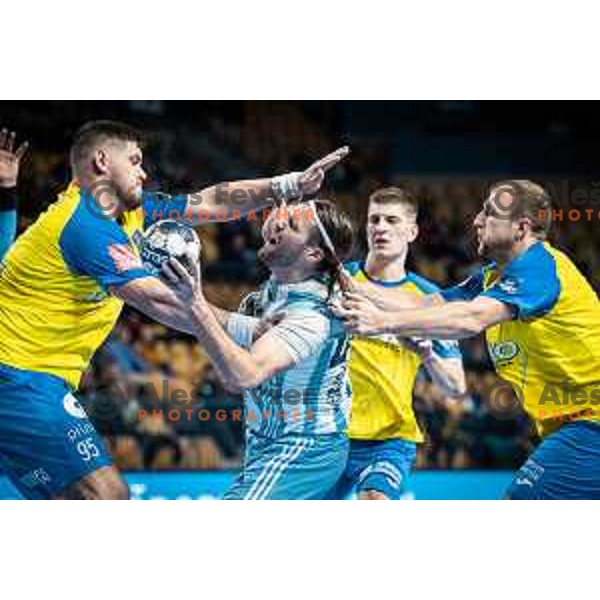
(307, 301)
(422, 284)
(83, 228)
(537, 265)
(539, 258)
(529, 283)
(560, 271)
(158, 206)
(555, 259)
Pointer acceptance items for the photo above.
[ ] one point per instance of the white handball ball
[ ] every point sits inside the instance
(170, 239)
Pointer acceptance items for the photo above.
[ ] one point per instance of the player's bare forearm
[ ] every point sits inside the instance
(152, 297)
(229, 201)
(220, 314)
(395, 299)
(447, 373)
(236, 199)
(235, 365)
(454, 320)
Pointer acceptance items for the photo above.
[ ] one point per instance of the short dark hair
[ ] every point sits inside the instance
(94, 132)
(396, 195)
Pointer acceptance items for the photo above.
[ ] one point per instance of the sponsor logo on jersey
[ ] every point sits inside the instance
(504, 351)
(36, 477)
(124, 257)
(73, 407)
(509, 285)
(95, 296)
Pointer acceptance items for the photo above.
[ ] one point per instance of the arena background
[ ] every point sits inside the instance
(446, 151)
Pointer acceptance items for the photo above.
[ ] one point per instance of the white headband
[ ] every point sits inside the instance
(321, 228)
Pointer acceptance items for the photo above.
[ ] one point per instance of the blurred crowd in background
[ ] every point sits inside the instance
(144, 371)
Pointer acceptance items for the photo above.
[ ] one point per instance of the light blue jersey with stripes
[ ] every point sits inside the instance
(313, 396)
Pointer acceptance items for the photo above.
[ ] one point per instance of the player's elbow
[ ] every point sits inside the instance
(452, 381)
(254, 370)
(144, 293)
(457, 385)
(231, 387)
(460, 389)
(255, 380)
(247, 380)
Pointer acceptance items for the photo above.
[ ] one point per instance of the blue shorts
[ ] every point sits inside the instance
(46, 440)
(565, 466)
(290, 467)
(378, 465)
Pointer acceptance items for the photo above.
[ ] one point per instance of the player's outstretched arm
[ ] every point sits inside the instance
(394, 299)
(443, 363)
(152, 297)
(448, 374)
(236, 199)
(238, 367)
(453, 320)
(10, 159)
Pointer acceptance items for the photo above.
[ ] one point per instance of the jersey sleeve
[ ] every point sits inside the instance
(446, 348)
(157, 206)
(8, 219)
(241, 329)
(100, 249)
(529, 284)
(8, 230)
(303, 332)
(466, 290)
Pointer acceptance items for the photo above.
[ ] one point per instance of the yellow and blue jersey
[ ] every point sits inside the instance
(550, 350)
(383, 372)
(55, 306)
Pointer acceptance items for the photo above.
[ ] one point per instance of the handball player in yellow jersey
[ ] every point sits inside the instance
(62, 286)
(383, 428)
(542, 324)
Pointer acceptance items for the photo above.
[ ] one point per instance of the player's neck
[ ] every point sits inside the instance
(385, 269)
(517, 250)
(99, 189)
(291, 274)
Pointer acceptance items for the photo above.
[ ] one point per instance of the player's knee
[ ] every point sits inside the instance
(104, 484)
(372, 495)
(111, 488)
(118, 490)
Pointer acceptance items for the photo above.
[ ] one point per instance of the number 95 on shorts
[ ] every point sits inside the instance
(46, 440)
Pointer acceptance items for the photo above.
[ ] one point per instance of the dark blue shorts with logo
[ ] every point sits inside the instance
(565, 466)
(46, 440)
(377, 465)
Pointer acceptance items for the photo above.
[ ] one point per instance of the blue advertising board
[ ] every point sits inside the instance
(210, 485)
